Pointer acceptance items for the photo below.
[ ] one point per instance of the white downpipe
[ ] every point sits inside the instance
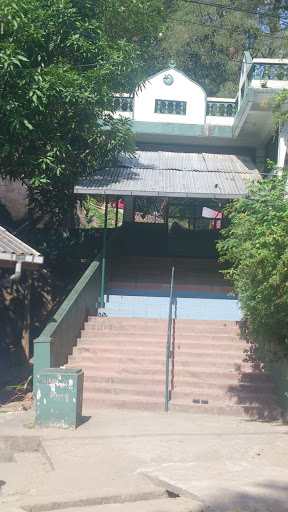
(16, 275)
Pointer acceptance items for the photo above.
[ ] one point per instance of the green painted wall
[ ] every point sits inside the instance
(59, 337)
(57, 340)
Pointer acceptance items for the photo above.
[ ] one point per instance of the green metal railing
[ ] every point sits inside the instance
(170, 107)
(123, 103)
(104, 254)
(268, 71)
(221, 108)
(56, 342)
(168, 346)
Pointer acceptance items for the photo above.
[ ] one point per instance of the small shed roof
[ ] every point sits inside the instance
(159, 173)
(13, 249)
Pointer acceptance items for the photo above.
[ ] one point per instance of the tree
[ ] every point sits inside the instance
(208, 42)
(60, 62)
(255, 249)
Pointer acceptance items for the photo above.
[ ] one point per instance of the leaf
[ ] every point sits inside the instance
(29, 125)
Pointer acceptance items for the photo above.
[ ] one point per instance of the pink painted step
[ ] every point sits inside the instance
(124, 365)
(223, 376)
(267, 413)
(125, 390)
(180, 344)
(181, 322)
(184, 384)
(114, 324)
(137, 380)
(149, 349)
(215, 397)
(158, 360)
(158, 337)
(212, 397)
(129, 402)
(165, 287)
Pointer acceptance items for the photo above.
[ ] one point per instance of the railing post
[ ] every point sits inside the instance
(168, 346)
(42, 356)
(104, 254)
(116, 213)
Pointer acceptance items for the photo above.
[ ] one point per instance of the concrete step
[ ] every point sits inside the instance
(138, 403)
(204, 396)
(84, 357)
(212, 364)
(218, 374)
(137, 313)
(139, 380)
(122, 336)
(129, 402)
(190, 313)
(160, 325)
(165, 294)
(229, 377)
(222, 385)
(113, 327)
(180, 342)
(177, 345)
(188, 351)
(124, 362)
(201, 276)
(153, 284)
(180, 323)
(115, 369)
(154, 501)
(268, 413)
(159, 337)
(195, 303)
(155, 299)
(214, 397)
(167, 262)
(159, 356)
(188, 356)
(125, 390)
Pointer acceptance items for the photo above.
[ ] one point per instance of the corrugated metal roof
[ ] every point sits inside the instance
(13, 249)
(173, 174)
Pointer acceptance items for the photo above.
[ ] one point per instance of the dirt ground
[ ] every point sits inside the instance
(50, 286)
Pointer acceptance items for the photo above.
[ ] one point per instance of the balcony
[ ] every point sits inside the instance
(264, 71)
(221, 108)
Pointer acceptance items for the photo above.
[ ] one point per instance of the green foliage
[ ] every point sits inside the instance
(60, 61)
(280, 108)
(95, 214)
(208, 42)
(255, 248)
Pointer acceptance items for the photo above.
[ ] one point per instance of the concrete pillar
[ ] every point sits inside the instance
(128, 214)
(42, 356)
(260, 158)
(282, 142)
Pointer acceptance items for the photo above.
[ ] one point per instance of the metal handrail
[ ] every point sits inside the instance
(168, 346)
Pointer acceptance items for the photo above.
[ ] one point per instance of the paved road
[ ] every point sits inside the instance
(118, 461)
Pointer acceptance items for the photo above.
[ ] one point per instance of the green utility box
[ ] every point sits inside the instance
(59, 394)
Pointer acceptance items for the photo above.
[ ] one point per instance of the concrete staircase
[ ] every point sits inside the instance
(200, 306)
(123, 350)
(140, 287)
(212, 370)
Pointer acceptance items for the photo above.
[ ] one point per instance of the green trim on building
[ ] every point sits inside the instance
(181, 129)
